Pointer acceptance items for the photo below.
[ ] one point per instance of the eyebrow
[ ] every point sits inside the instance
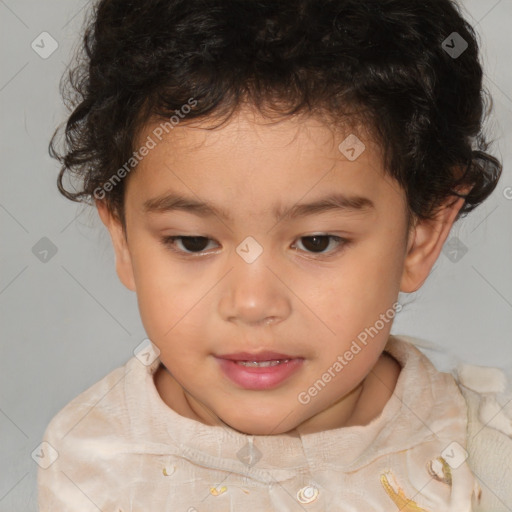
(337, 202)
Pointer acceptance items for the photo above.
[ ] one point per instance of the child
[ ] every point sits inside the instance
(257, 130)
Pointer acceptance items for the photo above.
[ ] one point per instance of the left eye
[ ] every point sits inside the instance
(315, 244)
(318, 243)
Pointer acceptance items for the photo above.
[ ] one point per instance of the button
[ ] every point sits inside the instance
(440, 470)
(169, 471)
(307, 494)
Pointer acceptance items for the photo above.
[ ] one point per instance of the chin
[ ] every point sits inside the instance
(258, 430)
(260, 425)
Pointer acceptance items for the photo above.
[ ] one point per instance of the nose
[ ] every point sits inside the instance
(253, 294)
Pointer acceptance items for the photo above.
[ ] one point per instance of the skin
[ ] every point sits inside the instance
(291, 299)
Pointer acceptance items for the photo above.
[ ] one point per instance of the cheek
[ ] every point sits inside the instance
(167, 300)
(358, 302)
(366, 279)
(379, 265)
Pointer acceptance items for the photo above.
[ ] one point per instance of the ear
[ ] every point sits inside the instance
(124, 267)
(424, 245)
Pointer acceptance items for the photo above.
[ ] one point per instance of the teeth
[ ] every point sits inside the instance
(261, 363)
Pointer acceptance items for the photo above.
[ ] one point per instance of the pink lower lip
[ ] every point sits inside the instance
(258, 378)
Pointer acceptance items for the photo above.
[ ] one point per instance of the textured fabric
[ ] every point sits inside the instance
(121, 448)
(490, 451)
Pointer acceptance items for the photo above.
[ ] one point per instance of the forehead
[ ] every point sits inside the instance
(246, 123)
(250, 158)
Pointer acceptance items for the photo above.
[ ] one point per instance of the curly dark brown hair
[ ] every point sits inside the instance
(386, 64)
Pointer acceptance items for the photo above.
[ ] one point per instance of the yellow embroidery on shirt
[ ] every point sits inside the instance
(396, 493)
(439, 469)
(216, 492)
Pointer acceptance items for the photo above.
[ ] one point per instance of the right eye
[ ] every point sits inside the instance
(191, 244)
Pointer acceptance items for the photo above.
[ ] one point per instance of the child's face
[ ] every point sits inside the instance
(302, 297)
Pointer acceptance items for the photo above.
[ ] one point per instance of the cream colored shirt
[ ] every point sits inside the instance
(117, 447)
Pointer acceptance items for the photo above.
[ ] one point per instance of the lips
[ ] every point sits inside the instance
(259, 371)
(260, 356)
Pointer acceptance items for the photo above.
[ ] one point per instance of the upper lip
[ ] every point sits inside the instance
(260, 356)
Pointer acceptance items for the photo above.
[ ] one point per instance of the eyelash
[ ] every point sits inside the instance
(169, 242)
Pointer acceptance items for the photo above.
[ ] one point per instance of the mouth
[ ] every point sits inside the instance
(261, 364)
(258, 371)
(265, 356)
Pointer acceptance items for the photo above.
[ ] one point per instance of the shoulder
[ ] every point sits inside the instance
(94, 423)
(489, 440)
(100, 403)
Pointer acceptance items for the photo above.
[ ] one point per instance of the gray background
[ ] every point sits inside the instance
(68, 321)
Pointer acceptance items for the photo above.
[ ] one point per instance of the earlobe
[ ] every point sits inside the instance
(425, 243)
(124, 267)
